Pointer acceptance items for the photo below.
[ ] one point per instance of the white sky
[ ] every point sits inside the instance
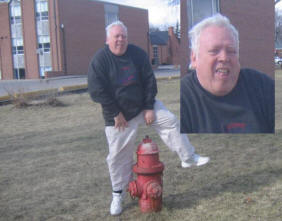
(279, 6)
(159, 13)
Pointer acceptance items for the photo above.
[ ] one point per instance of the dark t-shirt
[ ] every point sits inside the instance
(248, 108)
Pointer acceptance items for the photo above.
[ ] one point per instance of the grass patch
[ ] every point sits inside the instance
(52, 167)
(24, 100)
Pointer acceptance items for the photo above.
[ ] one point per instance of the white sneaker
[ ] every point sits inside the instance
(197, 160)
(116, 205)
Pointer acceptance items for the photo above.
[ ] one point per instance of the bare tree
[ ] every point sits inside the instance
(174, 6)
(177, 30)
(173, 2)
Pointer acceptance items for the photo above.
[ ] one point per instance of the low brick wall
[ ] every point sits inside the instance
(51, 74)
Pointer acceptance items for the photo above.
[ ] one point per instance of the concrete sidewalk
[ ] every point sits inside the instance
(63, 84)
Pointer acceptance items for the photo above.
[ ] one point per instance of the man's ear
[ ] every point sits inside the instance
(193, 60)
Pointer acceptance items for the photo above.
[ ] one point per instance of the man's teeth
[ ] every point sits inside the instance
(224, 71)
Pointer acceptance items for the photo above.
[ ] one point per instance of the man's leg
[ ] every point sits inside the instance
(167, 126)
(120, 160)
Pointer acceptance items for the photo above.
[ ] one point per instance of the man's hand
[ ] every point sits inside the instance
(120, 122)
(149, 116)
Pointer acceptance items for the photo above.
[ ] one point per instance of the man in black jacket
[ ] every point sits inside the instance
(121, 79)
(218, 96)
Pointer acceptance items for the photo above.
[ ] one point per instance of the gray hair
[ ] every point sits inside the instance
(216, 20)
(115, 23)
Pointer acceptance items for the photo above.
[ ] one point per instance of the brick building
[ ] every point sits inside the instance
(164, 48)
(42, 38)
(254, 20)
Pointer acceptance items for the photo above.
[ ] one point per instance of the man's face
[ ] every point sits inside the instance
(117, 40)
(217, 62)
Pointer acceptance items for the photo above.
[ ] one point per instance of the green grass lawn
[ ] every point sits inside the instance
(52, 167)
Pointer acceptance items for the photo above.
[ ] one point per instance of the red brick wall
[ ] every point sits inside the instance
(55, 37)
(6, 63)
(84, 31)
(254, 20)
(170, 53)
(150, 53)
(163, 54)
(174, 50)
(71, 47)
(30, 39)
(184, 46)
(137, 24)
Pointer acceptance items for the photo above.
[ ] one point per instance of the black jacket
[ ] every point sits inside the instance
(122, 83)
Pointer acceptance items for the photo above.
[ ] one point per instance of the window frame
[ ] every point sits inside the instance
(190, 10)
(111, 13)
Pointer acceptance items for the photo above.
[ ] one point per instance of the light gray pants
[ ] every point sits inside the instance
(122, 144)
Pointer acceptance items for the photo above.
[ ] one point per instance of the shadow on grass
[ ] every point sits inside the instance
(247, 183)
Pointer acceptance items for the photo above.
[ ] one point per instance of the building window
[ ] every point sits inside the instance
(45, 47)
(41, 9)
(17, 39)
(43, 36)
(16, 19)
(40, 16)
(18, 50)
(200, 9)
(155, 60)
(19, 73)
(111, 13)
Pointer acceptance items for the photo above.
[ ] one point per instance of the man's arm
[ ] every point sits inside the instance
(150, 90)
(98, 89)
(149, 84)
(269, 94)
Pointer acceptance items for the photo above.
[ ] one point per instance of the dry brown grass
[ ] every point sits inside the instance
(24, 100)
(52, 167)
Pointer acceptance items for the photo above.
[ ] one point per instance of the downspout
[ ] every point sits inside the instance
(61, 60)
(64, 48)
(1, 64)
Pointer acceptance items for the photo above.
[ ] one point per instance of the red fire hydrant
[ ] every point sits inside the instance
(148, 185)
